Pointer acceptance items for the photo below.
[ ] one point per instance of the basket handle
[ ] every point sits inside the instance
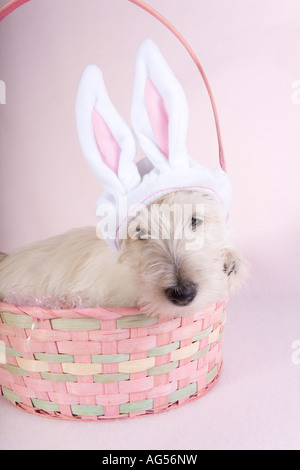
(10, 6)
(183, 41)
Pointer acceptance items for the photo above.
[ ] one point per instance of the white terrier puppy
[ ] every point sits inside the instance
(173, 255)
(173, 262)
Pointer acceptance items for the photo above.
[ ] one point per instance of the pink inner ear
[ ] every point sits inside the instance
(158, 117)
(106, 143)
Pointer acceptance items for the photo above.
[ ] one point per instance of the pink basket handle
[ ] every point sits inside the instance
(9, 7)
(179, 36)
(13, 4)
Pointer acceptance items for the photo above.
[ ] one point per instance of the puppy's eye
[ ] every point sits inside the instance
(196, 222)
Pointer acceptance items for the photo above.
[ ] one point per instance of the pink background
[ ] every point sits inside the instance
(250, 51)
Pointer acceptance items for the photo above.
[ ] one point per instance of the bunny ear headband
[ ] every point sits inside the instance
(160, 119)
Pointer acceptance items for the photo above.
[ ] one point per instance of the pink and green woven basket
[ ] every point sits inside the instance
(94, 364)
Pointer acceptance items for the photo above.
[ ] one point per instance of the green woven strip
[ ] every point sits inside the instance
(76, 324)
(135, 321)
(164, 369)
(3, 353)
(13, 352)
(45, 405)
(10, 395)
(109, 378)
(110, 358)
(18, 321)
(16, 370)
(203, 334)
(161, 350)
(183, 392)
(211, 375)
(54, 377)
(136, 406)
(87, 410)
(200, 353)
(54, 357)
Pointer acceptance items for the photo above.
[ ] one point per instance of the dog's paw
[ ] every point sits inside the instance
(235, 268)
(230, 267)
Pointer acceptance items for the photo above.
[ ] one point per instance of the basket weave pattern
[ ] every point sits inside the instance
(94, 364)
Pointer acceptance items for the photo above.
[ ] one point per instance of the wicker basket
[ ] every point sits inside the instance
(95, 364)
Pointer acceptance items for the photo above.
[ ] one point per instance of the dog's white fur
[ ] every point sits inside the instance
(79, 263)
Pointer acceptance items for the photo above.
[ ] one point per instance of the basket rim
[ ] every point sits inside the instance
(43, 313)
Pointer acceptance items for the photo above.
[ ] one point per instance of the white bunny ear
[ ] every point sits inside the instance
(105, 138)
(159, 111)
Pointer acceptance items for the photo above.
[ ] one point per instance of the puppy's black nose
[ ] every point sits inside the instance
(182, 294)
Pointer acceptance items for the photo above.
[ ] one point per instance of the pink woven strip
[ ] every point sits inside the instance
(136, 345)
(83, 359)
(162, 381)
(164, 327)
(186, 367)
(162, 391)
(139, 385)
(183, 372)
(64, 400)
(187, 331)
(5, 377)
(47, 335)
(23, 344)
(45, 314)
(113, 335)
(111, 408)
(51, 347)
(24, 392)
(80, 348)
(138, 334)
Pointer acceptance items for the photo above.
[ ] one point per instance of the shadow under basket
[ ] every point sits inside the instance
(95, 364)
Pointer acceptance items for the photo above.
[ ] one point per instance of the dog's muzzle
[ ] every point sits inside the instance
(182, 294)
